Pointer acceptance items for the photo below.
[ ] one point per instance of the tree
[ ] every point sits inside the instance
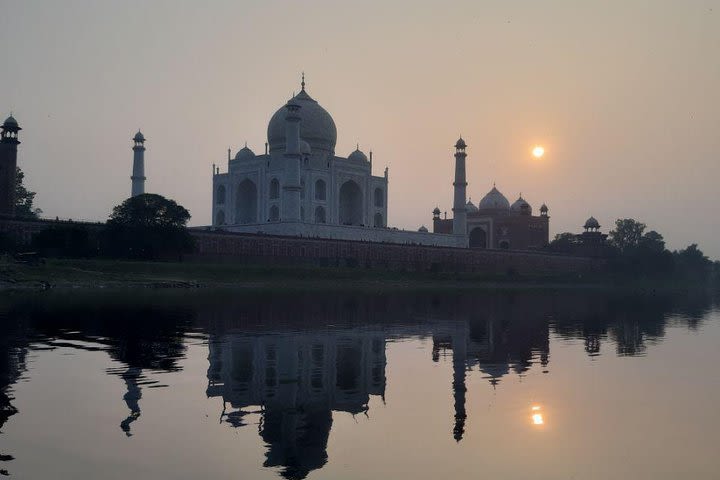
(692, 261)
(24, 198)
(148, 226)
(652, 242)
(627, 234)
(563, 243)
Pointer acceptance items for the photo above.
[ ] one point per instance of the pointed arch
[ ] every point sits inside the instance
(320, 215)
(350, 204)
(246, 202)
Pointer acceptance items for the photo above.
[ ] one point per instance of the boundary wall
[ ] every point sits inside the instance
(258, 249)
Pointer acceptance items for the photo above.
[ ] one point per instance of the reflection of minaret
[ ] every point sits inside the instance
(131, 397)
(459, 388)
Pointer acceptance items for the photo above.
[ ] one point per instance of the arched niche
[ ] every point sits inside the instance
(320, 215)
(379, 221)
(246, 202)
(350, 204)
(478, 238)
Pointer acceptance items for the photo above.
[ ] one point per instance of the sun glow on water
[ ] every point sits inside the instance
(537, 416)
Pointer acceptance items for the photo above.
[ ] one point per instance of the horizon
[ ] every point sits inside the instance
(615, 107)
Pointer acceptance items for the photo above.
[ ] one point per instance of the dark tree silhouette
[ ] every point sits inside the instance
(627, 234)
(24, 198)
(148, 226)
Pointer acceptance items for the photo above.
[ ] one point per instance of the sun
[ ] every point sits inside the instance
(538, 151)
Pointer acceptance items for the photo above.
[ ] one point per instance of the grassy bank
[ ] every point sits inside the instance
(101, 273)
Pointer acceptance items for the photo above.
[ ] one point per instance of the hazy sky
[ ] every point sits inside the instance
(624, 95)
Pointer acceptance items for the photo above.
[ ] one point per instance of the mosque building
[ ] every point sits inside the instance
(493, 223)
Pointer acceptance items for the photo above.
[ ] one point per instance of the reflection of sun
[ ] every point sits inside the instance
(537, 416)
(538, 151)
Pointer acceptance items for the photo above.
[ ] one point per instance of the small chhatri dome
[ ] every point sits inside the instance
(543, 208)
(423, 229)
(244, 154)
(469, 206)
(10, 122)
(521, 206)
(592, 223)
(436, 211)
(460, 144)
(139, 137)
(357, 156)
(494, 200)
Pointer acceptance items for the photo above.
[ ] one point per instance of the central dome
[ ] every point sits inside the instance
(316, 126)
(494, 200)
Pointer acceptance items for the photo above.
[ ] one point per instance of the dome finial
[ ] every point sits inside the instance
(246, 144)
(302, 83)
(357, 146)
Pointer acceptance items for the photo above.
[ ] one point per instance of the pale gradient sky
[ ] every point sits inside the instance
(624, 95)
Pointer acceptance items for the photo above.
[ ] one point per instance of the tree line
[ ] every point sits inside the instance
(634, 252)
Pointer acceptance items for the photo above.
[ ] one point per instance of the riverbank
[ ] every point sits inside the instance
(103, 274)
(60, 274)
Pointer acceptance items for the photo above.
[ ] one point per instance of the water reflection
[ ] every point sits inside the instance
(284, 363)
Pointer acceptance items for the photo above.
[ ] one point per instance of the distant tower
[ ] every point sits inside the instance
(138, 173)
(459, 205)
(291, 183)
(8, 165)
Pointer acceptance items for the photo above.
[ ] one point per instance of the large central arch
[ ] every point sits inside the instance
(246, 202)
(351, 202)
(478, 238)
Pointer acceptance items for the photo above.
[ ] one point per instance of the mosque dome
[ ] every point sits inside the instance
(10, 122)
(436, 211)
(494, 200)
(470, 206)
(521, 206)
(244, 154)
(316, 125)
(423, 229)
(139, 137)
(592, 223)
(305, 148)
(357, 156)
(543, 208)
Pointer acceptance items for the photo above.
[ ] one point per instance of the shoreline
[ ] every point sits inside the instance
(102, 275)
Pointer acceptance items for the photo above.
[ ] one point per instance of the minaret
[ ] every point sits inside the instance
(138, 173)
(459, 207)
(291, 182)
(8, 165)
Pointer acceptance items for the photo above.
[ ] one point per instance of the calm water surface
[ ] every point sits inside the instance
(175, 385)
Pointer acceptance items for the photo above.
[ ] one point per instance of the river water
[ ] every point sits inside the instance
(227, 385)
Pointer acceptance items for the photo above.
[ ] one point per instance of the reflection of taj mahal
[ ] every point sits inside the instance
(295, 380)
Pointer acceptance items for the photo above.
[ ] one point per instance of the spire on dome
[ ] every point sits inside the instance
(302, 83)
